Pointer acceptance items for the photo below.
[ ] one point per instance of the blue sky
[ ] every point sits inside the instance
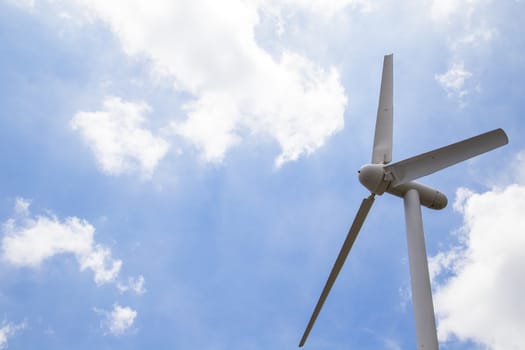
(182, 174)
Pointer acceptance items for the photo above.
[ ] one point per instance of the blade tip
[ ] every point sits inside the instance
(505, 137)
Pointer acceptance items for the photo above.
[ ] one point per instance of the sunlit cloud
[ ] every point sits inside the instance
(118, 139)
(238, 89)
(480, 280)
(453, 80)
(117, 321)
(133, 284)
(9, 330)
(30, 240)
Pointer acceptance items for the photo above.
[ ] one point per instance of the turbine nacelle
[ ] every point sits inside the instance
(378, 181)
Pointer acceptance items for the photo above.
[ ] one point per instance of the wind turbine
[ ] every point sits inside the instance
(397, 179)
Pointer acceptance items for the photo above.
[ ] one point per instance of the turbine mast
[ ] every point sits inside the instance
(426, 335)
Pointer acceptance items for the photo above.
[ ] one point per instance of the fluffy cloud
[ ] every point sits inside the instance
(133, 284)
(469, 18)
(208, 49)
(24, 3)
(119, 320)
(320, 7)
(28, 241)
(482, 298)
(468, 27)
(7, 331)
(118, 139)
(453, 80)
(444, 10)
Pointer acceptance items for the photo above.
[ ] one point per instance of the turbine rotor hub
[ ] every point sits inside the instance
(373, 177)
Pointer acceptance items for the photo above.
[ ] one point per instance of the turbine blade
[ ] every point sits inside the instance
(430, 162)
(360, 217)
(382, 152)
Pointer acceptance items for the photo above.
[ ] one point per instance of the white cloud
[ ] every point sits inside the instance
(208, 49)
(443, 10)
(475, 37)
(99, 260)
(7, 331)
(215, 122)
(119, 320)
(453, 80)
(322, 7)
(469, 29)
(28, 241)
(118, 139)
(449, 10)
(29, 4)
(466, 21)
(22, 206)
(133, 284)
(481, 297)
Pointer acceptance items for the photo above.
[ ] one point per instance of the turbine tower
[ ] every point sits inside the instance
(397, 179)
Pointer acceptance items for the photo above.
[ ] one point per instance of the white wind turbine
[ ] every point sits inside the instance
(397, 179)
